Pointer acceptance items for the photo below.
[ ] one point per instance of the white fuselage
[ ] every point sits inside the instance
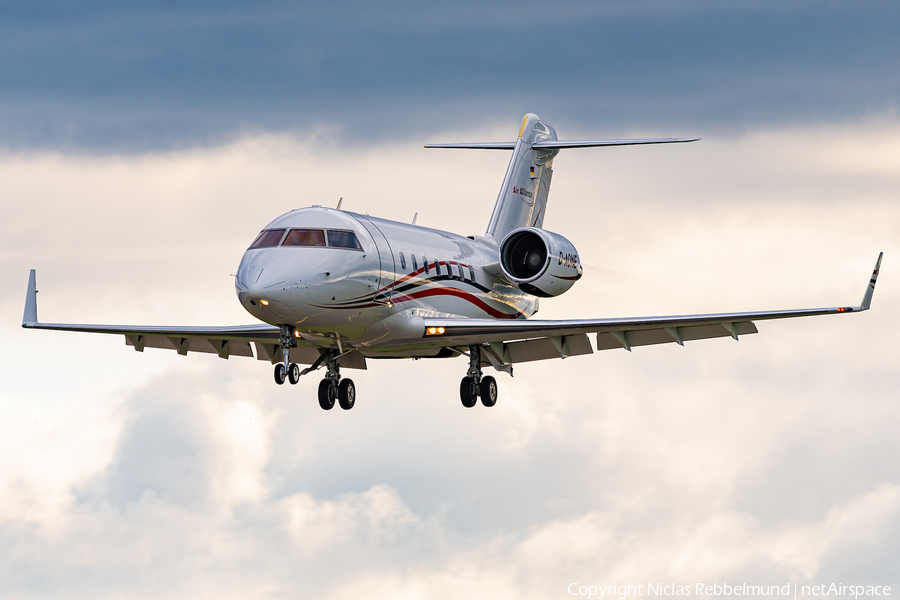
(312, 278)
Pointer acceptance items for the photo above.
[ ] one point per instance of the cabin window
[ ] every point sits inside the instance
(343, 239)
(437, 267)
(425, 263)
(471, 274)
(268, 238)
(305, 237)
(461, 276)
(414, 264)
(402, 261)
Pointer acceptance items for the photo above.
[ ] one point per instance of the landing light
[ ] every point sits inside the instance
(435, 331)
(264, 302)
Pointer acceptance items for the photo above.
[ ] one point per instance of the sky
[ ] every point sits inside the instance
(142, 148)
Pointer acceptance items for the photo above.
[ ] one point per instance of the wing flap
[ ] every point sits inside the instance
(650, 337)
(223, 347)
(546, 348)
(304, 355)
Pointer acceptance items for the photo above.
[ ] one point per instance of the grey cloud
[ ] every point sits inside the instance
(164, 452)
(115, 78)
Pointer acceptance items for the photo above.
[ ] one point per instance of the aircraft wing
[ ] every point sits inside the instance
(224, 341)
(504, 342)
(510, 342)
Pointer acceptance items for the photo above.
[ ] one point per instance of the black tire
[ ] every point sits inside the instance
(279, 374)
(347, 394)
(293, 373)
(468, 392)
(327, 395)
(488, 391)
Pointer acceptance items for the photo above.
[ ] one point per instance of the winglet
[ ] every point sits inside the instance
(870, 289)
(29, 319)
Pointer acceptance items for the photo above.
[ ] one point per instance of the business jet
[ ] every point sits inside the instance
(334, 289)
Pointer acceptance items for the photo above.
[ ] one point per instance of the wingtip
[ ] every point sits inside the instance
(870, 287)
(29, 318)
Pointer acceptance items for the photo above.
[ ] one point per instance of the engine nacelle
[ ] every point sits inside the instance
(539, 262)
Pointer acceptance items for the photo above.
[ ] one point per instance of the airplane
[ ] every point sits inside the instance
(334, 289)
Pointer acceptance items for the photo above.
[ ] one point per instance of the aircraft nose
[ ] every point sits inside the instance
(266, 284)
(268, 287)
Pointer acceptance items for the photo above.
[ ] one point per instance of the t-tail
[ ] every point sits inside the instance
(522, 201)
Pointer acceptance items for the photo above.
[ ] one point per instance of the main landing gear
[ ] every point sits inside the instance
(331, 388)
(474, 385)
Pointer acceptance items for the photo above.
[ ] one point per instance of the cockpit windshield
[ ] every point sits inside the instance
(268, 238)
(331, 238)
(305, 237)
(342, 239)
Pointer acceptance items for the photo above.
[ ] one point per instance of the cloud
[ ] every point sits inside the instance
(153, 76)
(151, 474)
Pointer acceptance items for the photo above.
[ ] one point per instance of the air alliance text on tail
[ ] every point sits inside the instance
(522, 192)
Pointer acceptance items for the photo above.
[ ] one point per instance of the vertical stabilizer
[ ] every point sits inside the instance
(523, 196)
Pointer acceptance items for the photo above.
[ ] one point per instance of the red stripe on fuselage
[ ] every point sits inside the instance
(464, 295)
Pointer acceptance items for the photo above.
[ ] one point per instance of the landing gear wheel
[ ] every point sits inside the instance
(347, 394)
(327, 394)
(489, 391)
(279, 374)
(468, 392)
(294, 373)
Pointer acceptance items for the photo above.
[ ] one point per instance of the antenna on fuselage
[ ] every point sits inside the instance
(338, 207)
(415, 216)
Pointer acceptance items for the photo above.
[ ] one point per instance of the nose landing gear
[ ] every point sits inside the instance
(286, 369)
(292, 373)
(474, 384)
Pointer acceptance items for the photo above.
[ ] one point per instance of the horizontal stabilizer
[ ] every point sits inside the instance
(478, 146)
(560, 144)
